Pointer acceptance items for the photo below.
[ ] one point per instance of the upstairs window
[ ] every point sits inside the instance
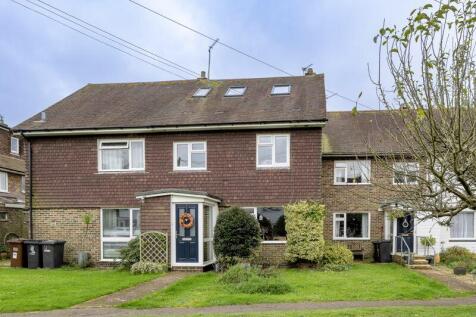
(405, 173)
(272, 150)
(121, 155)
(190, 156)
(202, 92)
(14, 145)
(351, 172)
(281, 90)
(235, 91)
(3, 182)
(462, 225)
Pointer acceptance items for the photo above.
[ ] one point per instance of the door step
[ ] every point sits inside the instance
(419, 266)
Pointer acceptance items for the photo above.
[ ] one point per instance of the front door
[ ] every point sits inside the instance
(186, 233)
(405, 233)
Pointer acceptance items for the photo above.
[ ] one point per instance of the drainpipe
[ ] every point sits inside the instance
(30, 194)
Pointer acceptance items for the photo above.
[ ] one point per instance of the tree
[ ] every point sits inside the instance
(433, 104)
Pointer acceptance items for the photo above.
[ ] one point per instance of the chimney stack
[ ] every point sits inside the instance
(203, 75)
(309, 72)
(43, 116)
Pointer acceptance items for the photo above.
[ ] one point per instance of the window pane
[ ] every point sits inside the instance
(135, 222)
(281, 148)
(3, 216)
(198, 160)
(14, 145)
(201, 92)
(265, 155)
(111, 250)
(137, 148)
(339, 175)
(3, 181)
(198, 146)
(115, 159)
(357, 225)
(235, 91)
(272, 223)
(122, 144)
(462, 225)
(281, 90)
(339, 229)
(116, 223)
(182, 155)
(265, 139)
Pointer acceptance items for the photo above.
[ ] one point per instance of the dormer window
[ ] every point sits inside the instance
(235, 91)
(202, 92)
(281, 90)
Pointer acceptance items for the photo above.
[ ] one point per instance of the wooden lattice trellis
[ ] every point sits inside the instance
(154, 247)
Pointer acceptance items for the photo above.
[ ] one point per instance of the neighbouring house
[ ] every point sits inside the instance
(138, 156)
(13, 218)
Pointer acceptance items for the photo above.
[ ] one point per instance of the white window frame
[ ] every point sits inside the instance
(130, 169)
(230, 89)
(189, 156)
(405, 176)
(14, 149)
(273, 151)
(197, 95)
(334, 231)
(346, 169)
(464, 238)
(273, 93)
(117, 239)
(5, 190)
(23, 184)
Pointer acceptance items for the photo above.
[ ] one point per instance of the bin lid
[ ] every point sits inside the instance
(15, 241)
(53, 242)
(32, 241)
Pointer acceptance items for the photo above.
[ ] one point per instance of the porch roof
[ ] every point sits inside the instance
(177, 191)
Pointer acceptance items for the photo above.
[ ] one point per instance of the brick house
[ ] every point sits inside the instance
(144, 156)
(13, 218)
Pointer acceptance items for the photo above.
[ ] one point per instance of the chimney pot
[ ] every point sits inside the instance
(43, 116)
(203, 75)
(309, 71)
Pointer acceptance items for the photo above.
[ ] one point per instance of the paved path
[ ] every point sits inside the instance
(135, 292)
(450, 280)
(117, 312)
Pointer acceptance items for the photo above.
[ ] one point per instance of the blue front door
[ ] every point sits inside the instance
(186, 233)
(405, 233)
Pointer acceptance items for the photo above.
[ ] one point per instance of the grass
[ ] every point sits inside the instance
(42, 289)
(363, 282)
(456, 311)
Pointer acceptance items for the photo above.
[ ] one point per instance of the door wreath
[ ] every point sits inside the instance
(186, 220)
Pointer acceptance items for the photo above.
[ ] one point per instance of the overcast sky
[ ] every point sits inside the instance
(42, 62)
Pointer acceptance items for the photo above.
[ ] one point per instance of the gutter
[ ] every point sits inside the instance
(190, 128)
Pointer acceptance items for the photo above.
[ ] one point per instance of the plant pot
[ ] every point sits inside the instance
(83, 259)
(436, 259)
(459, 270)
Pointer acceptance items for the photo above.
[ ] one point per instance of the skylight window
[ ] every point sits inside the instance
(235, 91)
(281, 90)
(202, 92)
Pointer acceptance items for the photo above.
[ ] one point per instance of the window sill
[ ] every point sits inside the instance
(267, 168)
(121, 172)
(352, 184)
(190, 171)
(351, 239)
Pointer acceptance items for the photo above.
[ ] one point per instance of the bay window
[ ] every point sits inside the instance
(121, 155)
(352, 172)
(190, 156)
(118, 227)
(352, 226)
(462, 225)
(272, 150)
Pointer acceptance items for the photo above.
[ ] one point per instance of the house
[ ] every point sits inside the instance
(144, 156)
(139, 156)
(13, 218)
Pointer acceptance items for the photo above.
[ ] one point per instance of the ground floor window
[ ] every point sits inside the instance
(351, 226)
(462, 225)
(3, 216)
(271, 221)
(118, 227)
(207, 233)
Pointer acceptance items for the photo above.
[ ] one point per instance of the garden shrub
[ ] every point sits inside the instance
(237, 274)
(130, 254)
(143, 267)
(455, 254)
(237, 233)
(305, 234)
(336, 254)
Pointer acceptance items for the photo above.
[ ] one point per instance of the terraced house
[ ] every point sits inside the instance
(13, 219)
(144, 156)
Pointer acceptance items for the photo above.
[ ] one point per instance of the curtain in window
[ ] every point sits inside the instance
(365, 225)
(3, 181)
(115, 159)
(137, 155)
(116, 223)
(462, 225)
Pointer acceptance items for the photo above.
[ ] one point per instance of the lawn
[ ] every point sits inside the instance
(362, 282)
(457, 311)
(28, 290)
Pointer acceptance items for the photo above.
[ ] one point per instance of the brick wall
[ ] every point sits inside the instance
(5, 145)
(17, 223)
(65, 171)
(272, 254)
(66, 224)
(355, 198)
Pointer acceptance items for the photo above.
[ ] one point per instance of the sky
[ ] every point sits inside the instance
(42, 62)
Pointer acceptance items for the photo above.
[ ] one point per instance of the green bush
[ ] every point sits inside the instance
(428, 241)
(147, 268)
(455, 254)
(260, 285)
(336, 254)
(305, 234)
(130, 254)
(237, 233)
